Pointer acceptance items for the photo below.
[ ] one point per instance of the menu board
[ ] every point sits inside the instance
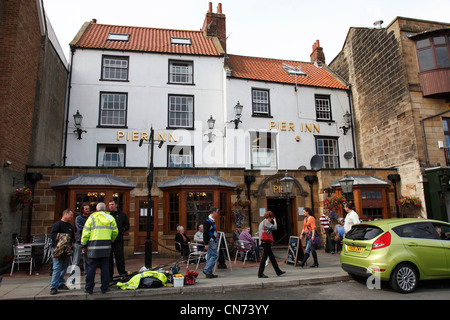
(295, 251)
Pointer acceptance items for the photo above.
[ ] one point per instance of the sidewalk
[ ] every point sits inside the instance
(37, 286)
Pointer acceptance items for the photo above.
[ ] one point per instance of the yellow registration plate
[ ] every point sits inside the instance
(355, 249)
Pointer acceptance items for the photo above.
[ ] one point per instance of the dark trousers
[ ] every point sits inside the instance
(118, 254)
(268, 253)
(92, 264)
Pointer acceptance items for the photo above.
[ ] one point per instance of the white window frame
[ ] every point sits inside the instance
(113, 109)
(180, 157)
(111, 155)
(328, 149)
(323, 107)
(115, 68)
(263, 150)
(181, 72)
(260, 102)
(181, 111)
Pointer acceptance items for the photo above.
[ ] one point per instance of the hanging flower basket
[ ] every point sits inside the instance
(239, 218)
(20, 199)
(241, 204)
(409, 202)
(334, 203)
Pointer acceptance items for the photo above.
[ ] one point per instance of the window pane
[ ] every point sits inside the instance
(426, 59)
(323, 108)
(181, 73)
(111, 156)
(260, 101)
(442, 57)
(439, 40)
(181, 157)
(113, 109)
(115, 68)
(423, 43)
(181, 111)
(328, 150)
(197, 208)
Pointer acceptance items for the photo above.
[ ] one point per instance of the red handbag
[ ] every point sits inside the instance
(266, 237)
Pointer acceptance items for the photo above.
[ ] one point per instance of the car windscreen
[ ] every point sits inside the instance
(363, 232)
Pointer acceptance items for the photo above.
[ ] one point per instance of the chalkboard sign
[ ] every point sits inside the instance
(295, 250)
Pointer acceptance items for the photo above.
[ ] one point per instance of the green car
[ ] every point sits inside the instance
(401, 251)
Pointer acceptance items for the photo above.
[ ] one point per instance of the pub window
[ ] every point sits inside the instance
(180, 157)
(263, 150)
(111, 155)
(113, 109)
(197, 208)
(174, 211)
(260, 102)
(114, 68)
(181, 72)
(181, 111)
(327, 148)
(323, 107)
(94, 197)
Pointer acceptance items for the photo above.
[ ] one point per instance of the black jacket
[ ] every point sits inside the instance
(122, 223)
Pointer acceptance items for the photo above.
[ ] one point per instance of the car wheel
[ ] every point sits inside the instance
(404, 278)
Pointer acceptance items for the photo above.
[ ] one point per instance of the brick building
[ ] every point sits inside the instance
(400, 82)
(33, 81)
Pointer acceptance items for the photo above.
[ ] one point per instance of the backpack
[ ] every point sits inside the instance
(63, 248)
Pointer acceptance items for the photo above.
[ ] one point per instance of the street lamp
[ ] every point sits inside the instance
(287, 183)
(78, 118)
(346, 184)
(150, 222)
(237, 115)
(347, 122)
(211, 123)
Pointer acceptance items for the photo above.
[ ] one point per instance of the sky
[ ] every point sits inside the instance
(279, 29)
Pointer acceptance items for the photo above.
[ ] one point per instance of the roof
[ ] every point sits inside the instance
(93, 180)
(95, 36)
(188, 180)
(271, 70)
(361, 180)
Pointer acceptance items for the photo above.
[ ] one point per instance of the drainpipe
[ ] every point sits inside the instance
(350, 104)
(69, 87)
(248, 181)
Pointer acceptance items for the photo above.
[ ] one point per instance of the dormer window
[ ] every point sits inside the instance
(118, 37)
(434, 52)
(184, 41)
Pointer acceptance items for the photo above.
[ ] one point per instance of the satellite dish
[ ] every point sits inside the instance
(348, 155)
(316, 162)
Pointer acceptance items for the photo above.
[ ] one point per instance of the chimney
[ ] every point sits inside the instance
(317, 55)
(215, 26)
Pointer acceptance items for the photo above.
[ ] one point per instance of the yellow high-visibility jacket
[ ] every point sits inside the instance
(133, 283)
(99, 231)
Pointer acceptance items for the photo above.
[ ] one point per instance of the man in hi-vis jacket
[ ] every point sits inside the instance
(98, 233)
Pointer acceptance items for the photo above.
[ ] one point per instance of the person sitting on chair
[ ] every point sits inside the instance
(249, 243)
(184, 241)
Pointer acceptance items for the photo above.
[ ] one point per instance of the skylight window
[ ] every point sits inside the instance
(293, 71)
(118, 37)
(176, 40)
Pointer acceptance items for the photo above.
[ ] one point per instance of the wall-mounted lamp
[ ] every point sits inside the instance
(347, 121)
(77, 118)
(237, 115)
(211, 123)
(7, 163)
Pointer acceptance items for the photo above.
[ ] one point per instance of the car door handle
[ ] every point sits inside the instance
(412, 244)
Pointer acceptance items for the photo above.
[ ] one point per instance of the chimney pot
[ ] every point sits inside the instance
(219, 8)
(210, 7)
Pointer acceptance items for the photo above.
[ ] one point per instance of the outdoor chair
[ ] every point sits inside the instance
(22, 254)
(240, 248)
(195, 253)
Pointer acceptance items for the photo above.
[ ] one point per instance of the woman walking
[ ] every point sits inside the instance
(309, 232)
(267, 227)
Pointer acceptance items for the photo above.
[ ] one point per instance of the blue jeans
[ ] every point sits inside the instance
(59, 270)
(310, 247)
(211, 257)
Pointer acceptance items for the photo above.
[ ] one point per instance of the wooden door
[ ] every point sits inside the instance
(140, 224)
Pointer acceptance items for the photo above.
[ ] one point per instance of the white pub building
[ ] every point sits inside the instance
(226, 127)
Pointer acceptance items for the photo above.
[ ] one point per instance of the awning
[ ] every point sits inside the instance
(93, 180)
(207, 180)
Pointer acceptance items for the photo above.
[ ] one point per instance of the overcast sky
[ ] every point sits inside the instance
(281, 29)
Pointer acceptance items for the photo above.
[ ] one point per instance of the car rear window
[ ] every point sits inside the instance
(363, 232)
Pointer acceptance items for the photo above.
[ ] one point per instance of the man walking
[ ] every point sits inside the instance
(100, 229)
(62, 235)
(123, 225)
(210, 238)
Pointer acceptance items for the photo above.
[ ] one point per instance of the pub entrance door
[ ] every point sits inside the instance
(140, 218)
(280, 209)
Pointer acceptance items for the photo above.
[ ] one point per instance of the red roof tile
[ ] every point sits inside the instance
(271, 70)
(145, 39)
